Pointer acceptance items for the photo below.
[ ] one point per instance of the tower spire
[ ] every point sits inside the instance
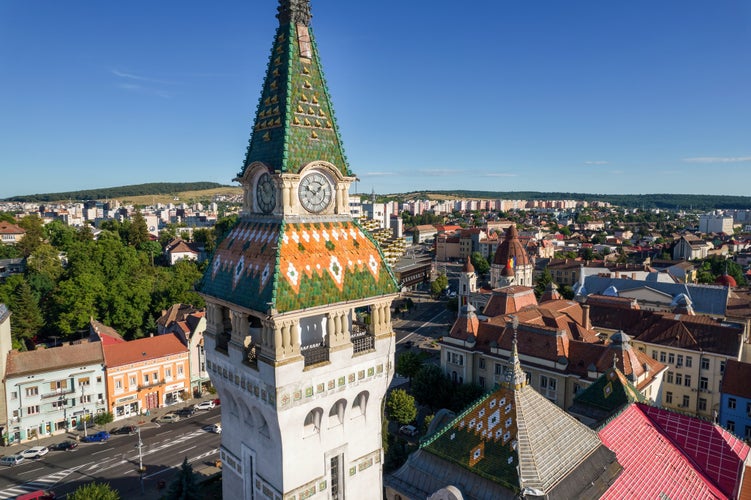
(294, 11)
(517, 378)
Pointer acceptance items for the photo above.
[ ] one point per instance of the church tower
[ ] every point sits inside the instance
(511, 264)
(299, 342)
(467, 283)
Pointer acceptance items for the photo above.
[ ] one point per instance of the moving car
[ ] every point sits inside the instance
(64, 446)
(168, 418)
(188, 411)
(11, 460)
(98, 437)
(125, 429)
(37, 495)
(205, 405)
(215, 428)
(409, 430)
(35, 452)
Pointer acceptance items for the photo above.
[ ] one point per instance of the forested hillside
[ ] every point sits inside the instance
(113, 193)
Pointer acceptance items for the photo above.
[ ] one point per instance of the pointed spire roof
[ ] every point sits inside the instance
(295, 122)
(468, 267)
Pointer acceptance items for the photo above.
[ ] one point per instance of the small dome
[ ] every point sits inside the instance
(620, 338)
(511, 250)
(468, 267)
(726, 280)
(681, 300)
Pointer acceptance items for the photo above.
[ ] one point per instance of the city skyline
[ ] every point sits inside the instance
(588, 98)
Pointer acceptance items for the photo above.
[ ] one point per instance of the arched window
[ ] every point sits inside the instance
(312, 423)
(360, 404)
(336, 414)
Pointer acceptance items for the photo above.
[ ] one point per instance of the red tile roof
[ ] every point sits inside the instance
(142, 349)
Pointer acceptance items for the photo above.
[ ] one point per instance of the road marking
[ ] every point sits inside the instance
(32, 470)
(193, 460)
(100, 451)
(422, 326)
(41, 483)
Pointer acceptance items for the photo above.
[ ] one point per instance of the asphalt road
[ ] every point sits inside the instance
(428, 320)
(116, 461)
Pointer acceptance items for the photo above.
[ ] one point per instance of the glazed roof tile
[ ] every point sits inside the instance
(295, 122)
(291, 266)
(610, 393)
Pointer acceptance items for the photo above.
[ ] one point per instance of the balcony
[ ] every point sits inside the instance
(314, 354)
(147, 385)
(222, 341)
(58, 393)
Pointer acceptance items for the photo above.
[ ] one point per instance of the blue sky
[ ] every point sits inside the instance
(587, 96)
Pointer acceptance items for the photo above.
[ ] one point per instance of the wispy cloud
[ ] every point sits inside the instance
(617, 172)
(140, 78)
(499, 174)
(142, 84)
(596, 162)
(377, 174)
(440, 172)
(718, 159)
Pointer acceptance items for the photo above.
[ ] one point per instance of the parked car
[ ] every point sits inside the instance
(98, 437)
(409, 430)
(408, 344)
(168, 418)
(89, 424)
(217, 402)
(215, 428)
(188, 411)
(64, 446)
(37, 495)
(35, 452)
(205, 405)
(11, 460)
(125, 429)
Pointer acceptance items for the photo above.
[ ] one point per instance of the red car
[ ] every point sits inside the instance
(217, 402)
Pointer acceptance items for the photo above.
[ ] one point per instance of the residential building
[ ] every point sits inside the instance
(188, 324)
(178, 249)
(146, 373)
(298, 338)
(735, 403)
(695, 348)
(49, 391)
(6, 345)
(690, 247)
(715, 223)
(10, 233)
(9, 267)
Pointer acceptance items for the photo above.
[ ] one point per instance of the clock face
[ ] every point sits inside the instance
(315, 192)
(266, 193)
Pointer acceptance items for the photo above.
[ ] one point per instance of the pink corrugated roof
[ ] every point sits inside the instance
(652, 465)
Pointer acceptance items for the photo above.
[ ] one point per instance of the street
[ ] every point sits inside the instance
(116, 461)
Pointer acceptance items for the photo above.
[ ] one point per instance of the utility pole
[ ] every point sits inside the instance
(140, 459)
(83, 408)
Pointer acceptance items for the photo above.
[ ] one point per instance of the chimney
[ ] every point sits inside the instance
(633, 276)
(585, 310)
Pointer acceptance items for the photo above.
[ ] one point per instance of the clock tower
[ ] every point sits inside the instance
(298, 342)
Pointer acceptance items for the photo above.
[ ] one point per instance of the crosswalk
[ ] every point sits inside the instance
(47, 482)
(44, 483)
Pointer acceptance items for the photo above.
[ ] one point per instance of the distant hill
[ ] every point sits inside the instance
(120, 193)
(663, 201)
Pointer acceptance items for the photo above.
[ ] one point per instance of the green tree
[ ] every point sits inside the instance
(480, 263)
(185, 484)
(431, 387)
(138, 230)
(409, 363)
(542, 282)
(94, 491)
(26, 320)
(104, 418)
(401, 406)
(205, 238)
(439, 285)
(34, 234)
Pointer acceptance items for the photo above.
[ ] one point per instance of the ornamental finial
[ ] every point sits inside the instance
(294, 11)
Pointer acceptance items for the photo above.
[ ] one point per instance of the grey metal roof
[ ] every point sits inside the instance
(705, 299)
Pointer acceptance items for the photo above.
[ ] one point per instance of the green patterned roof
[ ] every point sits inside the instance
(295, 121)
(290, 266)
(607, 395)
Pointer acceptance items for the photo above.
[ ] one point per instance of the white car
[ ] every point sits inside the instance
(35, 452)
(215, 428)
(11, 460)
(409, 430)
(205, 405)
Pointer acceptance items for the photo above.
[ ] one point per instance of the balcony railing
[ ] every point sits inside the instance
(58, 393)
(314, 354)
(363, 343)
(153, 383)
